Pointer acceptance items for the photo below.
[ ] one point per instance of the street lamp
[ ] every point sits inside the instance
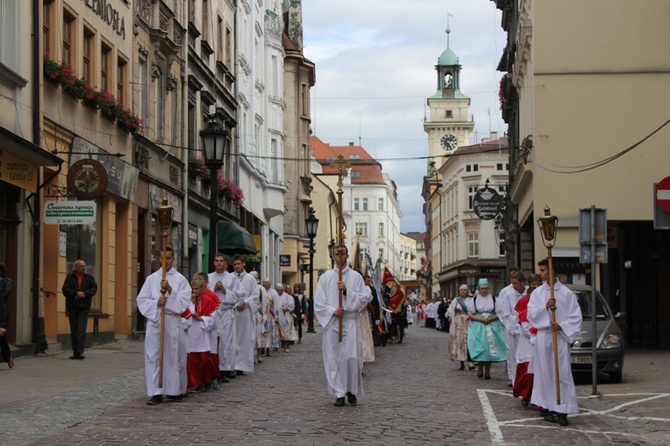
(548, 228)
(312, 225)
(215, 143)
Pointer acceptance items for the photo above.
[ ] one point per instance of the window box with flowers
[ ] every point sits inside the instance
(79, 88)
(229, 190)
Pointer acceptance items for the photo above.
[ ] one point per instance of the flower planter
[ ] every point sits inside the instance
(108, 114)
(90, 103)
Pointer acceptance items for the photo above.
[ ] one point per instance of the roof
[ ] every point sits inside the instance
(370, 170)
(418, 236)
(448, 57)
(489, 144)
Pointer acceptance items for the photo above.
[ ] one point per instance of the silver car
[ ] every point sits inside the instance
(610, 348)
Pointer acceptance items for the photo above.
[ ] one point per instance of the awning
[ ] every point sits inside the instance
(25, 149)
(234, 239)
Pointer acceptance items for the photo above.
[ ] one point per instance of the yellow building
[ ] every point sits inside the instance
(585, 96)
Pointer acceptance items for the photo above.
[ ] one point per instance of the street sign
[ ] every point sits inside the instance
(487, 203)
(69, 212)
(663, 194)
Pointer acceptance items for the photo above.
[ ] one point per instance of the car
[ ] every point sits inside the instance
(610, 348)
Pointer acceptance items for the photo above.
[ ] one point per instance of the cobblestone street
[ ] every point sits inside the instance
(413, 395)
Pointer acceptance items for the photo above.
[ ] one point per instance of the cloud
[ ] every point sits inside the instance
(375, 68)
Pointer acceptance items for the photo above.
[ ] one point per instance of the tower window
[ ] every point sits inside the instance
(449, 114)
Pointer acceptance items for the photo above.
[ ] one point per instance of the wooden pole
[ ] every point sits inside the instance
(162, 332)
(340, 165)
(552, 281)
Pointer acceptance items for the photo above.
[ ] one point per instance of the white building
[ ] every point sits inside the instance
(369, 202)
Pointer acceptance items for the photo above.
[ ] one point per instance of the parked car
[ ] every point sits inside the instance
(610, 348)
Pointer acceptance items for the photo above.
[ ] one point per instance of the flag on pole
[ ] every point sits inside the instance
(396, 294)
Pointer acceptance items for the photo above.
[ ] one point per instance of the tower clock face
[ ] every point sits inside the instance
(449, 142)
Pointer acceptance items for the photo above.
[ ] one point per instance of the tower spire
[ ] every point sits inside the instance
(448, 30)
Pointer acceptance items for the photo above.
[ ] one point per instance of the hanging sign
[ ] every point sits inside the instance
(487, 203)
(87, 179)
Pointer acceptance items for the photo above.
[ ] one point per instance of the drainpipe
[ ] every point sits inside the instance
(184, 143)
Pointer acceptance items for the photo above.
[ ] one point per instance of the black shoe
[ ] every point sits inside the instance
(175, 398)
(81, 357)
(339, 402)
(548, 415)
(462, 367)
(487, 377)
(229, 375)
(207, 388)
(525, 402)
(224, 378)
(352, 398)
(471, 368)
(239, 372)
(562, 419)
(155, 400)
(74, 357)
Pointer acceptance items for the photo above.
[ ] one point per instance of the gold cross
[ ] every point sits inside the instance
(340, 165)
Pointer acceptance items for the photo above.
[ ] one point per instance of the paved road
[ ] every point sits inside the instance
(413, 396)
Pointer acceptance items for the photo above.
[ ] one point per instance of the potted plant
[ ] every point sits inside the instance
(109, 108)
(127, 121)
(52, 69)
(229, 190)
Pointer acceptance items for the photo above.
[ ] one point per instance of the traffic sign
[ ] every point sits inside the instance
(663, 194)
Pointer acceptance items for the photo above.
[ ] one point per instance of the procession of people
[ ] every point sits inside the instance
(516, 329)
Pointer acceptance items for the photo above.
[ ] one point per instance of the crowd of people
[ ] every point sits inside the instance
(209, 330)
(517, 328)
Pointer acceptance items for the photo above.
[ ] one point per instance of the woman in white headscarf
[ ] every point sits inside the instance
(486, 339)
(459, 322)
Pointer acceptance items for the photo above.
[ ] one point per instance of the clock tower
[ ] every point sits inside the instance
(448, 126)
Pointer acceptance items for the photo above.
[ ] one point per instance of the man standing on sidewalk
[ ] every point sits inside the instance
(508, 298)
(176, 300)
(343, 361)
(79, 288)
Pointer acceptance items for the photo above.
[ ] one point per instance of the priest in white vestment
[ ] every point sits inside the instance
(245, 324)
(508, 298)
(176, 301)
(225, 285)
(343, 361)
(567, 327)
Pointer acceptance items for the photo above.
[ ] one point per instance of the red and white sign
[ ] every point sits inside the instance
(663, 194)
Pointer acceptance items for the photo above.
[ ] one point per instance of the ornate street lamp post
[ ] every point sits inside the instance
(312, 225)
(215, 142)
(548, 228)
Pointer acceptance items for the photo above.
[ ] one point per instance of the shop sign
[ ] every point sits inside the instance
(487, 203)
(17, 171)
(87, 179)
(69, 212)
(109, 14)
(284, 259)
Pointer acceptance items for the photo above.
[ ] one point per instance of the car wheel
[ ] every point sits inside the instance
(615, 377)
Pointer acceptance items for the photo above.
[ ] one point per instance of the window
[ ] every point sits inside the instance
(229, 46)
(274, 76)
(87, 52)
(365, 204)
(501, 245)
(105, 55)
(381, 229)
(380, 204)
(472, 167)
(355, 174)
(219, 39)
(143, 90)
(159, 94)
(357, 204)
(192, 134)
(69, 29)
(502, 190)
(449, 114)
(205, 20)
(354, 156)
(472, 190)
(361, 228)
(47, 20)
(121, 80)
(473, 244)
(174, 100)
(499, 166)
(304, 96)
(191, 11)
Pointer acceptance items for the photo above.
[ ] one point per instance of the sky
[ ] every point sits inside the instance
(375, 67)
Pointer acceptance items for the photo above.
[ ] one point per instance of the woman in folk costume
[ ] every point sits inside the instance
(457, 313)
(284, 305)
(486, 339)
(523, 381)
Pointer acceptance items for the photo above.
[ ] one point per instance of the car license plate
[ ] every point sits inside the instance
(580, 359)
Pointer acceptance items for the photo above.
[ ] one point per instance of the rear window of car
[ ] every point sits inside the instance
(584, 298)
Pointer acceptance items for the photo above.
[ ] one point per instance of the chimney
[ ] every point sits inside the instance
(351, 144)
(494, 136)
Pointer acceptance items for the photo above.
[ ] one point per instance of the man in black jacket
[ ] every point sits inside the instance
(79, 289)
